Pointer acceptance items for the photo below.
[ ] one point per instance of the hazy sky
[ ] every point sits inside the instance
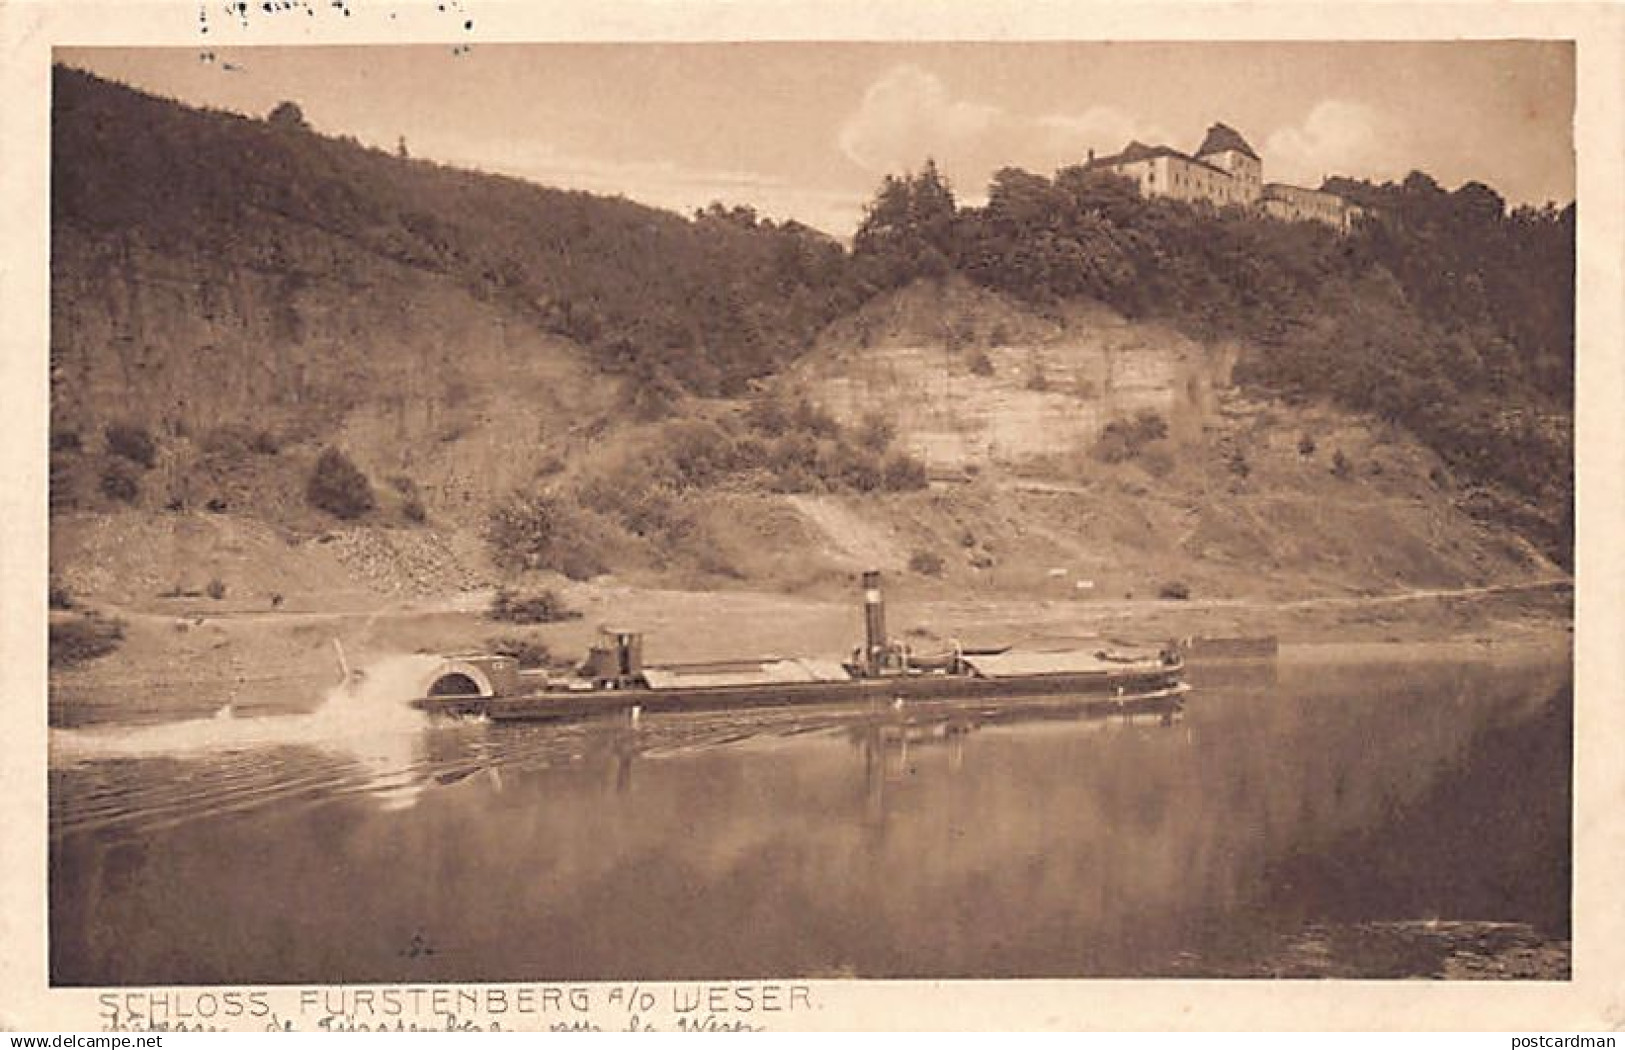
(806, 130)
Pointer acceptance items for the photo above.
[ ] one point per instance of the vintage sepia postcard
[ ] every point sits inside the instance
(711, 518)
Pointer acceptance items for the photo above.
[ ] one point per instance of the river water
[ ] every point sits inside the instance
(1371, 820)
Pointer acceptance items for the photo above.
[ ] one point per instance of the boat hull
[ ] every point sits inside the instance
(1152, 690)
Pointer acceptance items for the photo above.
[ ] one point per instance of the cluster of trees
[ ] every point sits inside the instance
(1488, 291)
(1442, 311)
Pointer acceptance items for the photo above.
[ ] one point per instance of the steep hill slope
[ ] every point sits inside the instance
(239, 294)
(1060, 496)
(710, 301)
(230, 297)
(1441, 310)
(211, 272)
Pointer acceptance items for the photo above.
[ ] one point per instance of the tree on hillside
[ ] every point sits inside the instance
(742, 215)
(1475, 204)
(1037, 241)
(910, 230)
(288, 115)
(133, 442)
(1023, 204)
(339, 487)
(1099, 193)
(933, 207)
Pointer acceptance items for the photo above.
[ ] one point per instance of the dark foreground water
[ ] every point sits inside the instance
(1367, 820)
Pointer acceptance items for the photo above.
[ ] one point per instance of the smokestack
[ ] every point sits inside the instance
(874, 621)
(1091, 155)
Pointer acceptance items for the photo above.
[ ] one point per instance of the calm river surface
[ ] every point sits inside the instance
(1338, 820)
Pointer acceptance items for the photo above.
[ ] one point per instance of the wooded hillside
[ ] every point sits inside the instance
(705, 303)
(210, 269)
(1442, 311)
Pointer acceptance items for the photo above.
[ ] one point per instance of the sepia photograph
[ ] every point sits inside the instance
(807, 511)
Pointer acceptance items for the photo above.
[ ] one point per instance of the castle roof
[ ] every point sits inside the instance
(1222, 137)
(1137, 150)
(1283, 189)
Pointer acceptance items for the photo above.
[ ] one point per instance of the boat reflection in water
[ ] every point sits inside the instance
(889, 742)
(884, 735)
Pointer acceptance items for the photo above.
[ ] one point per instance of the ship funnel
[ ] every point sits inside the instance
(874, 623)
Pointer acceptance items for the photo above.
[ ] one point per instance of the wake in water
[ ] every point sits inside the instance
(368, 721)
(370, 708)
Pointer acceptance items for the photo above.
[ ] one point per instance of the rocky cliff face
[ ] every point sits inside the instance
(325, 344)
(969, 378)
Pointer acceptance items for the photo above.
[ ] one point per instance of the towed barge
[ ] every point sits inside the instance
(615, 680)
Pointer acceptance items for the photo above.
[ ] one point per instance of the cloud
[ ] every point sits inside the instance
(910, 113)
(1337, 137)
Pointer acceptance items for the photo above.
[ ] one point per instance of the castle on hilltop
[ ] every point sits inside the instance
(1225, 172)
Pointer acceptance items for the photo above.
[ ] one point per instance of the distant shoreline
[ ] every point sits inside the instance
(1444, 649)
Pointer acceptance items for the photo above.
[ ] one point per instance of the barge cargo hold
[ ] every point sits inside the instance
(614, 679)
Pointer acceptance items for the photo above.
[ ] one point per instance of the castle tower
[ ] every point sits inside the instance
(1224, 148)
